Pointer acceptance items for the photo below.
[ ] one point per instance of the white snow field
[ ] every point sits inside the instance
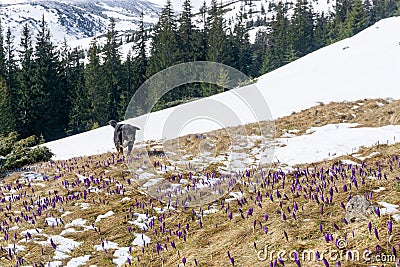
(364, 66)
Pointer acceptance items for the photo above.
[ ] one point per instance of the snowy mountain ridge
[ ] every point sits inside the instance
(78, 21)
(75, 19)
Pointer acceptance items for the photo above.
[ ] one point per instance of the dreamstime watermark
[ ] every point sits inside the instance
(331, 255)
(199, 171)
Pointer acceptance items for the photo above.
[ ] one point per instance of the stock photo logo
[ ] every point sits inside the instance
(339, 254)
(190, 166)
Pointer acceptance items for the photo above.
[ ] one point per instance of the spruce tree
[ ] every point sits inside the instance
(164, 51)
(218, 49)
(98, 94)
(28, 95)
(241, 45)
(164, 48)
(187, 47)
(321, 31)
(79, 116)
(277, 50)
(111, 71)
(2, 54)
(258, 51)
(357, 18)
(302, 29)
(6, 115)
(11, 72)
(53, 117)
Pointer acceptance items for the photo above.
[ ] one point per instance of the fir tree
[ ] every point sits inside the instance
(187, 47)
(302, 29)
(241, 45)
(11, 71)
(98, 95)
(28, 96)
(53, 117)
(6, 115)
(357, 18)
(79, 116)
(164, 41)
(278, 43)
(111, 70)
(2, 54)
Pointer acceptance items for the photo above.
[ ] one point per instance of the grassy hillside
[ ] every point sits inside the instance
(90, 210)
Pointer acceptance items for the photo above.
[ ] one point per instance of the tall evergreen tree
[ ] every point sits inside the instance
(218, 49)
(53, 117)
(11, 72)
(321, 32)
(2, 54)
(6, 115)
(241, 45)
(302, 28)
(187, 44)
(357, 20)
(98, 94)
(28, 95)
(79, 116)
(164, 48)
(277, 50)
(112, 70)
(258, 49)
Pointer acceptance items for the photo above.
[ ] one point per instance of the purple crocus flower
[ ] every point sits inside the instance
(376, 233)
(184, 261)
(390, 227)
(53, 244)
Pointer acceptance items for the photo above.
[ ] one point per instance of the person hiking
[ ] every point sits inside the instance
(124, 135)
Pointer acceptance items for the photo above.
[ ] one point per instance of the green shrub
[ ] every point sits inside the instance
(16, 154)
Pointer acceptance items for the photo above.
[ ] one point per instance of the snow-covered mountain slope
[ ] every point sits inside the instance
(75, 19)
(364, 66)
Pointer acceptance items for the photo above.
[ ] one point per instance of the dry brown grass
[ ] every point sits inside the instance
(209, 245)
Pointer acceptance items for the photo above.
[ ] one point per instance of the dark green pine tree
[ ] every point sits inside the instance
(242, 53)
(338, 25)
(321, 31)
(28, 95)
(7, 124)
(138, 69)
(127, 84)
(53, 117)
(380, 9)
(258, 49)
(188, 47)
(111, 70)
(11, 72)
(302, 29)
(140, 60)
(218, 45)
(79, 116)
(357, 20)
(164, 53)
(98, 94)
(164, 48)
(200, 35)
(2, 54)
(278, 46)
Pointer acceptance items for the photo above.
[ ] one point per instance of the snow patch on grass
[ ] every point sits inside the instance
(108, 214)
